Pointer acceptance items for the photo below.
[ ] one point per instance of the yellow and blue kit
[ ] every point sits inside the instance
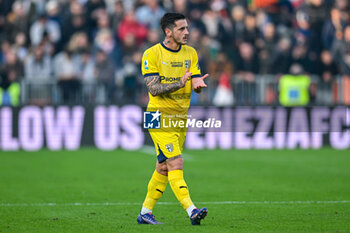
(170, 65)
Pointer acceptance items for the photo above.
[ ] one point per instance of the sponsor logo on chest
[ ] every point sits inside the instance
(177, 63)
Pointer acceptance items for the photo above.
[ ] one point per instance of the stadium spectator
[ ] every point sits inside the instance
(262, 19)
(103, 22)
(43, 27)
(5, 9)
(238, 15)
(224, 94)
(332, 29)
(196, 21)
(327, 73)
(20, 46)
(300, 56)
(73, 21)
(344, 7)
(317, 13)
(280, 60)
(105, 73)
(5, 48)
(86, 70)
(16, 21)
(247, 66)
(130, 84)
(303, 34)
(213, 25)
(11, 74)
(70, 9)
(38, 76)
(94, 8)
(79, 42)
(105, 41)
(118, 14)
(294, 87)
(198, 43)
(150, 14)
(52, 10)
(179, 6)
(153, 37)
(341, 53)
(266, 46)
(250, 31)
(131, 33)
(67, 77)
(38, 65)
(85, 66)
(225, 34)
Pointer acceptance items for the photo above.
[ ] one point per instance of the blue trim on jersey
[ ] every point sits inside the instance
(161, 157)
(196, 76)
(150, 74)
(171, 50)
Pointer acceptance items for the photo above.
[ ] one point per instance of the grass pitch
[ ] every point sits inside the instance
(245, 191)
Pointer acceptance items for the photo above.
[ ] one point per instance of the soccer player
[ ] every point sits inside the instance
(170, 71)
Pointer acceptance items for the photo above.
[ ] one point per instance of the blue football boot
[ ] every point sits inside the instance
(197, 215)
(147, 219)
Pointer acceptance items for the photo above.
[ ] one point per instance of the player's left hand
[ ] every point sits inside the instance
(198, 83)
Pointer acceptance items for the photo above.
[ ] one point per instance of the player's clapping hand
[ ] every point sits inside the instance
(185, 78)
(198, 83)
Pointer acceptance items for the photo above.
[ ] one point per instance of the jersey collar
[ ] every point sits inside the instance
(171, 50)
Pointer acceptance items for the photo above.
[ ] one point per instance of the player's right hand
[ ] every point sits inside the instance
(185, 78)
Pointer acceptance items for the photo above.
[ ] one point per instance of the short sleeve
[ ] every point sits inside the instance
(195, 68)
(149, 63)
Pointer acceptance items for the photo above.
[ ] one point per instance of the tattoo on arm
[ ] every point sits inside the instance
(156, 88)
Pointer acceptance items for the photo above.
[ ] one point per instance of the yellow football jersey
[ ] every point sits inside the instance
(171, 65)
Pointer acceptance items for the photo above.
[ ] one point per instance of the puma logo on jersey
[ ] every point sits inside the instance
(165, 63)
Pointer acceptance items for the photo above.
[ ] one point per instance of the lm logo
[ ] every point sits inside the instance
(151, 120)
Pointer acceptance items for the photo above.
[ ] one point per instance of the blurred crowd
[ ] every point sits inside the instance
(80, 45)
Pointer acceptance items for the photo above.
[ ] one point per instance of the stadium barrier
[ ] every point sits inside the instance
(263, 91)
(32, 128)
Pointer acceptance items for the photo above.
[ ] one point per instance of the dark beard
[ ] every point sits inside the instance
(179, 42)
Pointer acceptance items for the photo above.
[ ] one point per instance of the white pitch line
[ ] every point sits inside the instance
(174, 203)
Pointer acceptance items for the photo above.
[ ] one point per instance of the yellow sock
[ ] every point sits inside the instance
(179, 187)
(156, 187)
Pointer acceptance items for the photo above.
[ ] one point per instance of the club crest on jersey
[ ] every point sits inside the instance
(187, 63)
(169, 147)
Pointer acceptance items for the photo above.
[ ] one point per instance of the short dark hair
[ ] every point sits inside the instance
(168, 20)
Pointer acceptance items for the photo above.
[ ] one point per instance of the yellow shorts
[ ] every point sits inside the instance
(168, 144)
